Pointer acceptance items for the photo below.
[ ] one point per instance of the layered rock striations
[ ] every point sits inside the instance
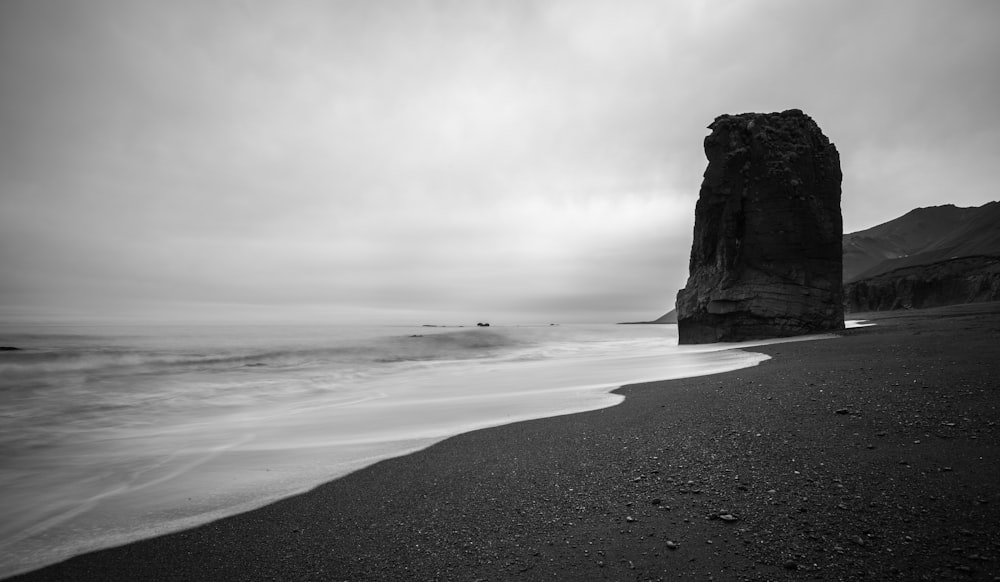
(950, 282)
(766, 259)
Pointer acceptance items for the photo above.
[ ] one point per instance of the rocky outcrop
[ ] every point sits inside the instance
(951, 282)
(766, 259)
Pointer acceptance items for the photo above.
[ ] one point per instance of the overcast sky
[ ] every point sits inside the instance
(443, 162)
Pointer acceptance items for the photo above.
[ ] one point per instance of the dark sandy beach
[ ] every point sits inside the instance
(871, 456)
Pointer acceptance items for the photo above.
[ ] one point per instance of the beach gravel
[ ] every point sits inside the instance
(871, 456)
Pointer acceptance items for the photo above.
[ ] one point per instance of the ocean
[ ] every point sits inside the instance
(115, 433)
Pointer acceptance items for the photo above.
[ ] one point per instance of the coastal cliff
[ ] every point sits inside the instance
(929, 257)
(766, 260)
(956, 281)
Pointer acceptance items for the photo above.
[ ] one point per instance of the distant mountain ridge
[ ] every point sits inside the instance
(922, 236)
(668, 317)
(929, 257)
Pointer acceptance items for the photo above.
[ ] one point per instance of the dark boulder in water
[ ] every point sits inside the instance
(766, 259)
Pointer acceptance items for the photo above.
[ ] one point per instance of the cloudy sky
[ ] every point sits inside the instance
(443, 161)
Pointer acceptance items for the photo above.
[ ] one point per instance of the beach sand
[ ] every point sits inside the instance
(872, 456)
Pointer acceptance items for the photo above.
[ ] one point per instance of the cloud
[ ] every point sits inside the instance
(437, 159)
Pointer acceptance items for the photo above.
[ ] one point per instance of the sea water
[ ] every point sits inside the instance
(114, 433)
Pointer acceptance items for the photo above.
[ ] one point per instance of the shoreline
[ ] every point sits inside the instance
(230, 481)
(813, 452)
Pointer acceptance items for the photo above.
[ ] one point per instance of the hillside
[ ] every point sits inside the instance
(922, 236)
(942, 255)
(668, 317)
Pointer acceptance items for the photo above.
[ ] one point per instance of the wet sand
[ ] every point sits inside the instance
(873, 456)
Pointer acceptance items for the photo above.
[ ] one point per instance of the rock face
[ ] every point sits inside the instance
(951, 282)
(766, 259)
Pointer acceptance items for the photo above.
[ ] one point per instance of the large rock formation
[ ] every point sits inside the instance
(766, 260)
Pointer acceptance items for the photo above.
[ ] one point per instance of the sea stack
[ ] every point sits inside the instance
(766, 260)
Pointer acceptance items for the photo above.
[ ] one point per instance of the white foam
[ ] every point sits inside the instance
(218, 466)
